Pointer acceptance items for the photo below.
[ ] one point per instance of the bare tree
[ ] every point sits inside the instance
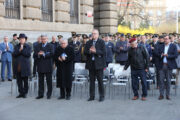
(133, 9)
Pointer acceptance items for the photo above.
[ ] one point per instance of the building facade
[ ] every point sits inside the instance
(54, 17)
(156, 9)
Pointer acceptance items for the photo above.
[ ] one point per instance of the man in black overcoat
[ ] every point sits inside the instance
(22, 54)
(64, 57)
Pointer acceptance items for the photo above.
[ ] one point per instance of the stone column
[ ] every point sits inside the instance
(108, 16)
(96, 14)
(62, 9)
(2, 8)
(32, 9)
(85, 6)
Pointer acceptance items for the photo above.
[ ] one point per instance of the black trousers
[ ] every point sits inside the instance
(65, 91)
(22, 83)
(41, 83)
(93, 74)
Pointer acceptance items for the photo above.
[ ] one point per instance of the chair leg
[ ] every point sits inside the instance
(125, 92)
(16, 88)
(109, 91)
(11, 88)
(73, 89)
(81, 90)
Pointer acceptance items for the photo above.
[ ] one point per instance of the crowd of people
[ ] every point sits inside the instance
(137, 51)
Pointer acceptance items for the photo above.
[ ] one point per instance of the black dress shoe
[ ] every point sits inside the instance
(61, 97)
(168, 98)
(161, 97)
(9, 80)
(48, 97)
(91, 99)
(101, 99)
(25, 96)
(39, 97)
(68, 98)
(20, 96)
(3, 80)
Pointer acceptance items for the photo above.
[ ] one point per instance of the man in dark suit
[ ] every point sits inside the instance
(75, 44)
(22, 54)
(167, 64)
(95, 51)
(44, 55)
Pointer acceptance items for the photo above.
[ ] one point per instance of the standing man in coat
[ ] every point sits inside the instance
(64, 57)
(6, 58)
(35, 61)
(44, 55)
(121, 50)
(95, 51)
(109, 50)
(167, 64)
(138, 59)
(75, 44)
(14, 42)
(22, 54)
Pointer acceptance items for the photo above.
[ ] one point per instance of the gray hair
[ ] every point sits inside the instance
(5, 36)
(43, 35)
(64, 40)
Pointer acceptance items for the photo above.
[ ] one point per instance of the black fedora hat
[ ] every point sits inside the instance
(22, 35)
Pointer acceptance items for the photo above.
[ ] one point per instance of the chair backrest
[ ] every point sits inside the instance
(83, 72)
(110, 65)
(80, 65)
(122, 73)
(114, 66)
(174, 71)
(152, 70)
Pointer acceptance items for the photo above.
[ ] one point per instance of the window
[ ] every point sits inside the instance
(74, 11)
(46, 10)
(12, 9)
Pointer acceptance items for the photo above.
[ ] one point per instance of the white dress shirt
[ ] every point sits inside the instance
(166, 52)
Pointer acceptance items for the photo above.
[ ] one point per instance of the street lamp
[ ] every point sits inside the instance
(176, 9)
(177, 21)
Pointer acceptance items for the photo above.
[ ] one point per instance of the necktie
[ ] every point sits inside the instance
(94, 43)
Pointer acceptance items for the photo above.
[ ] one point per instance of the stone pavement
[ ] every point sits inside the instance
(77, 108)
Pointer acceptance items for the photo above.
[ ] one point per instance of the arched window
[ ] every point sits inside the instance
(46, 10)
(12, 9)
